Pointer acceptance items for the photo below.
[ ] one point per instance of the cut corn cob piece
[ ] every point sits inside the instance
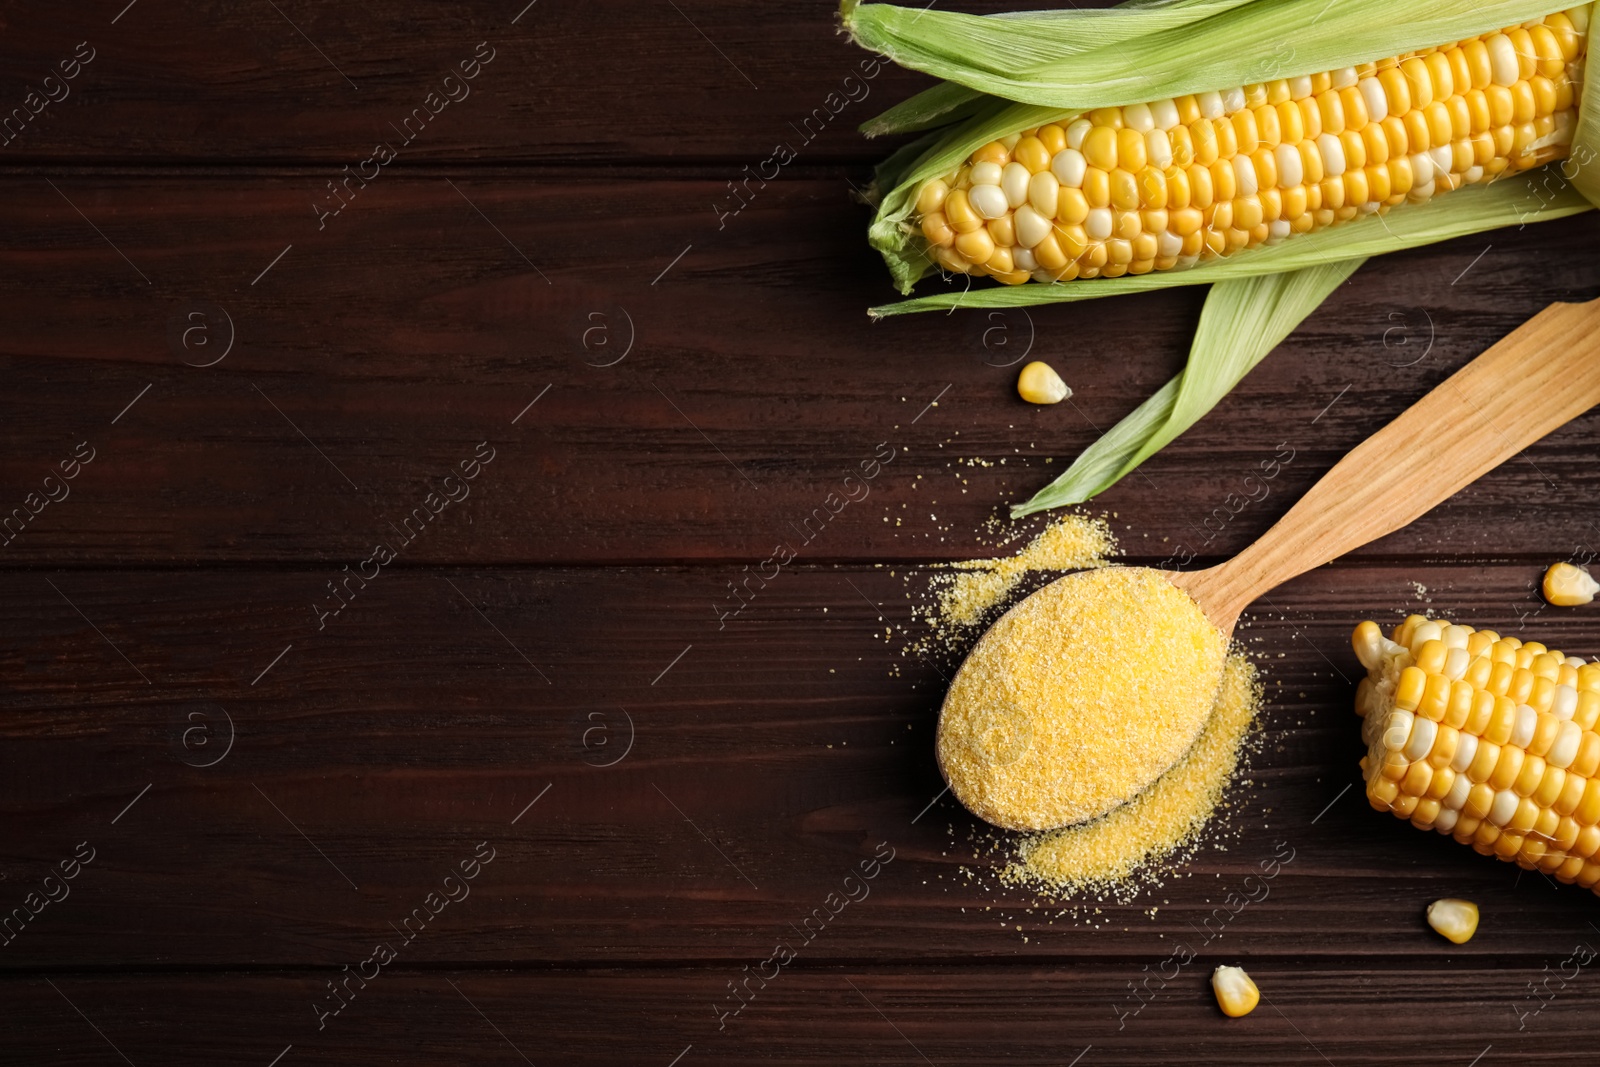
(1567, 585)
(1170, 183)
(1486, 738)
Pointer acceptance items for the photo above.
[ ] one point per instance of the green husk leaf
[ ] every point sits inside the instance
(1243, 320)
(1533, 196)
(940, 105)
(1236, 45)
(1075, 31)
(1078, 60)
(1582, 166)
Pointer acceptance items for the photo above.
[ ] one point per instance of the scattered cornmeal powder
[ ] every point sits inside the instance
(1071, 543)
(1079, 698)
(1162, 821)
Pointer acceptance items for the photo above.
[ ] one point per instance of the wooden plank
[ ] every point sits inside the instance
(768, 759)
(370, 358)
(1437, 1010)
(562, 83)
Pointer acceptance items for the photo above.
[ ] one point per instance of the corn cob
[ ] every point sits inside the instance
(1167, 184)
(1486, 738)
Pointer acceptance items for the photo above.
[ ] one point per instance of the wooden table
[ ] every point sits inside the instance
(527, 745)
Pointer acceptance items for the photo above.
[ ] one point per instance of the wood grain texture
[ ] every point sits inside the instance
(269, 787)
(1039, 1015)
(768, 758)
(219, 84)
(373, 356)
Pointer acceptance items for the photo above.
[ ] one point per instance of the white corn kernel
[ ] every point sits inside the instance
(1398, 730)
(1137, 117)
(1244, 174)
(1425, 631)
(1291, 171)
(1158, 146)
(1040, 384)
(1504, 806)
(1421, 169)
(1300, 87)
(1527, 723)
(1502, 60)
(1031, 226)
(1165, 114)
(1466, 748)
(1343, 78)
(988, 201)
(1076, 133)
(985, 173)
(1420, 743)
(1372, 94)
(1098, 224)
(1014, 183)
(1332, 152)
(1068, 167)
(1023, 259)
(1233, 100)
(1211, 105)
(1564, 749)
(1236, 994)
(1455, 920)
(1565, 703)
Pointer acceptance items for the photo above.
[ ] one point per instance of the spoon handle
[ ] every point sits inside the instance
(1538, 378)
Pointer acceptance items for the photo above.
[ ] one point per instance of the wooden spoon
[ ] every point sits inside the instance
(1540, 377)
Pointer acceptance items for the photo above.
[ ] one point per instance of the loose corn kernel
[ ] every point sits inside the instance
(1566, 585)
(1236, 994)
(1040, 384)
(1455, 920)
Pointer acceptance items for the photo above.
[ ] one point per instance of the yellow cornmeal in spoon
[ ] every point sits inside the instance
(1158, 822)
(1078, 698)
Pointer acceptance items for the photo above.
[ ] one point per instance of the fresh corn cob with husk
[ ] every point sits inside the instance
(1169, 183)
(1024, 88)
(1486, 738)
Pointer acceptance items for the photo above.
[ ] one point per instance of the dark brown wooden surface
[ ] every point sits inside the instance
(269, 790)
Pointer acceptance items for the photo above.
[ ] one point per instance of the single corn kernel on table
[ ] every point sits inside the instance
(614, 746)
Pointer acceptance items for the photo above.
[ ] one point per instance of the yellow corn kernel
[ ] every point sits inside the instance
(1566, 585)
(1453, 919)
(1040, 384)
(1236, 993)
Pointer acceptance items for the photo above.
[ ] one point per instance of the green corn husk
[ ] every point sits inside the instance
(1007, 73)
(1243, 320)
